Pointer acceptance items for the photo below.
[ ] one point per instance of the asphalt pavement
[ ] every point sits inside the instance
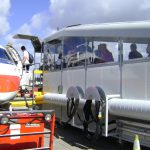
(70, 138)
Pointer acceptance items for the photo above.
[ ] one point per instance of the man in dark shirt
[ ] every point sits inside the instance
(134, 53)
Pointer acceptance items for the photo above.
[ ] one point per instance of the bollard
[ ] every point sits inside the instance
(136, 145)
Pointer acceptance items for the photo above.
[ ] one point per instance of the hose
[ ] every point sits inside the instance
(89, 117)
(72, 106)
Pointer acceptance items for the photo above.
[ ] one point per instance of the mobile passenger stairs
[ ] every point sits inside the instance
(24, 127)
(31, 82)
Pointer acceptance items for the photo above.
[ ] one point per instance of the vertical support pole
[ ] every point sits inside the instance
(106, 117)
(52, 127)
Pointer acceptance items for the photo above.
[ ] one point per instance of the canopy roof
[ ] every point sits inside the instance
(114, 31)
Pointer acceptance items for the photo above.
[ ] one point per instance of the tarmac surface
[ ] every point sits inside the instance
(70, 138)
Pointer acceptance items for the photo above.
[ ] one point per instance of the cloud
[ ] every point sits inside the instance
(29, 28)
(34, 26)
(68, 12)
(4, 7)
(145, 5)
(4, 13)
(4, 25)
(37, 20)
(25, 29)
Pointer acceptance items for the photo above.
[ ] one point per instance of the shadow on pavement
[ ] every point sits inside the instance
(75, 138)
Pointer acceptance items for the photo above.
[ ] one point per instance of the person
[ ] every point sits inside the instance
(104, 54)
(134, 53)
(148, 50)
(25, 60)
(58, 62)
(48, 64)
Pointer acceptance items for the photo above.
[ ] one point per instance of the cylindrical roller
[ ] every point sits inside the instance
(54, 98)
(130, 108)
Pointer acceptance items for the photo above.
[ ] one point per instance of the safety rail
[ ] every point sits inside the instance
(25, 129)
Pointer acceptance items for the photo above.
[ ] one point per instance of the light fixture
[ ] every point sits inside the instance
(4, 120)
(48, 117)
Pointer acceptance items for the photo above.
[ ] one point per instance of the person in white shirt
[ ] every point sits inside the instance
(25, 60)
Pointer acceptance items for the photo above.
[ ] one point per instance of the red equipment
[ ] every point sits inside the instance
(25, 129)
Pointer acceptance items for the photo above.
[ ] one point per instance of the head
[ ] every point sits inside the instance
(148, 49)
(60, 56)
(102, 46)
(23, 48)
(10, 44)
(133, 47)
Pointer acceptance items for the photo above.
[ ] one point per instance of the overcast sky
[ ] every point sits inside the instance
(42, 17)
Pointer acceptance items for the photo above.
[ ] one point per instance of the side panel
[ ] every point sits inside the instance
(136, 81)
(73, 77)
(51, 81)
(106, 77)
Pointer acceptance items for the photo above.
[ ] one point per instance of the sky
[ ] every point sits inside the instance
(43, 17)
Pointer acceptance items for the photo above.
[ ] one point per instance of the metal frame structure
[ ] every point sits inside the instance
(22, 128)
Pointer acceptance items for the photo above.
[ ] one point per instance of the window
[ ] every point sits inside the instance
(132, 51)
(103, 52)
(52, 56)
(74, 51)
(4, 57)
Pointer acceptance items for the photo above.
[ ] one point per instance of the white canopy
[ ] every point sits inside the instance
(115, 31)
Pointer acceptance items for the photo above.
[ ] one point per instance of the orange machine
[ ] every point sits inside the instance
(25, 130)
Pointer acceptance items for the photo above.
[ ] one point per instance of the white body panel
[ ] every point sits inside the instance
(74, 77)
(104, 76)
(124, 78)
(10, 75)
(107, 77)
(136, 81)
(51, 82)
(8, 69)
(7, 96)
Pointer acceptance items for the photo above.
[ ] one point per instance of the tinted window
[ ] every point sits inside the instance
(105, 51)
(4, 57)
(134, 50)
(74, 51)
(52, 56)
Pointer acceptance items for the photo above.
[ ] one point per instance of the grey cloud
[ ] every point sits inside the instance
(68, 12)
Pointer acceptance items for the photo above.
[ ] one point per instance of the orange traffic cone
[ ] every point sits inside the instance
(136, 145)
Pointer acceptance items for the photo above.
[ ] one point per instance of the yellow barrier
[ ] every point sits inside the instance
(38, 93)
(21, 103)
(38, 71)
(39, 98)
